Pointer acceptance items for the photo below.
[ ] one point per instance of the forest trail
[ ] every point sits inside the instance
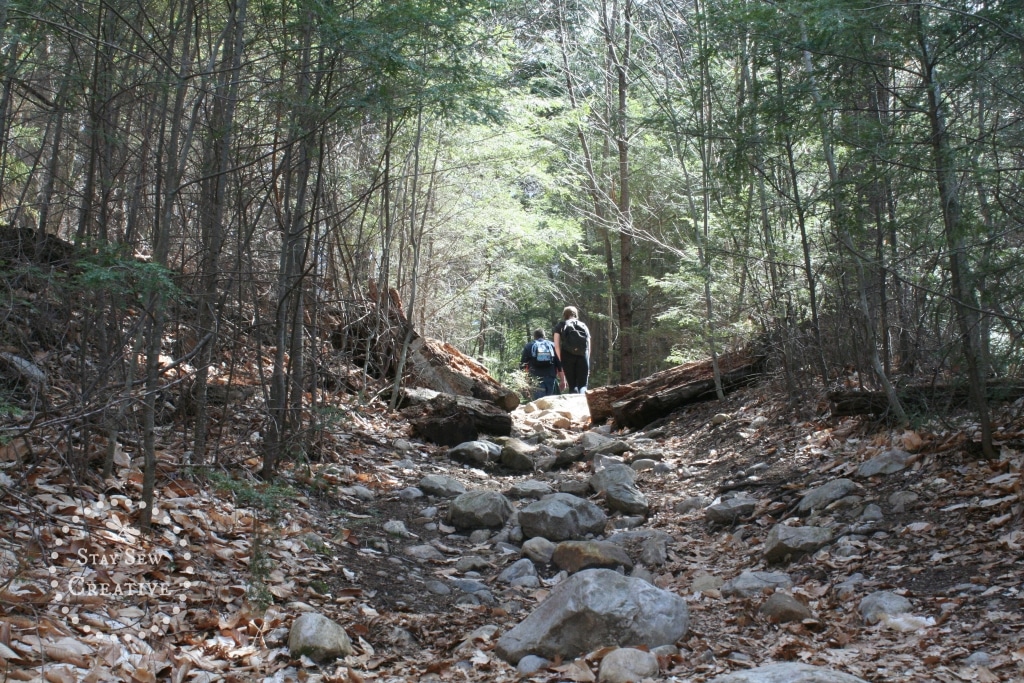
(347, 537)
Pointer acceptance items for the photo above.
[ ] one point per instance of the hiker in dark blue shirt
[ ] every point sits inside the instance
(541, 361)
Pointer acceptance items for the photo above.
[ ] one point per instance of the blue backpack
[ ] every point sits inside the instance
(543, 353)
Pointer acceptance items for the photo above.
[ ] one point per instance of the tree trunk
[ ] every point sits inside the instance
(965, 306)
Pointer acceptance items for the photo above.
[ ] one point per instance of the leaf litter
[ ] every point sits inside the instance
(209, 595)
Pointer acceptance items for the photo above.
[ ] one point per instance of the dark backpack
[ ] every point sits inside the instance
(543, 353)
(575, 336)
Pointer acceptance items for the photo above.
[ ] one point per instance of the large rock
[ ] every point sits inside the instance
(793, 541)
(627, 499)
(787, 672)
(561, 517)
(318, 638)
(480, 510)
(597, 608)
(819, 497)
(519, 456)
(441, 486)
(574, 556)
(612, 474)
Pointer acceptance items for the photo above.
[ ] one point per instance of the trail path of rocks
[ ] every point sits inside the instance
(783, 540)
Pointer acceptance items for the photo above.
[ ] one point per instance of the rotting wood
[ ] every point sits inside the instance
(640, 403)
(927, 398)
(449, 420)
(431, 364)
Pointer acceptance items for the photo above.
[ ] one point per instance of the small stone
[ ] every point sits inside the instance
(479, 536)
(627, 665)
(397, 528)
(643, 465)
(978, 659)
(901, 501)
(472, 563)
(728, 511)
(410, 493)
(424, 552)
(703, 583)
(890, 462)
(318, 638)
(872, 513)
(782, 607)
(880, 603)
(720, 419)
(690, 504)
(539, 549)
(531, 664)
(574, 556)
(751, 583)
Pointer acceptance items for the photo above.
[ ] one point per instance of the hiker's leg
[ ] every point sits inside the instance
(569, 366)
(538, 386)
(584, 374)
(548, 383)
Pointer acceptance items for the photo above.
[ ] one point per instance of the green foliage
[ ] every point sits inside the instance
(266, 499)
(109, 270)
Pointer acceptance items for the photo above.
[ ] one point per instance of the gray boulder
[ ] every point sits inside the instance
(873, 607)
(480, 510)
(627, 499)
(520, 573)
(749, 583)
(793, 541)
(612, 474)
(787, 672)
(473, 452)
(890, 462)
(561, 517)
(530, 488)
(441, 486)
(318, 638)
(522, 457)
(597, 608)
(539, 549)
(592, 441)
(728, 511)
(819, 497)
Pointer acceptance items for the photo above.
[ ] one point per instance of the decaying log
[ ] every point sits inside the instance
(640, 403)
(430, 363)
(925, 398)
(450, 420)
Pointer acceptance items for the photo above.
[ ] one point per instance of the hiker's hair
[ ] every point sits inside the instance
(570, 312)
(538, 333)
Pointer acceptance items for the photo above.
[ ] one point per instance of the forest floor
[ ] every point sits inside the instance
(232, 561)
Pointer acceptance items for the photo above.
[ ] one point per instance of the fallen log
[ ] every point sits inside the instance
(640, 403)
(924, 398)
(449, 420)
(374, 338)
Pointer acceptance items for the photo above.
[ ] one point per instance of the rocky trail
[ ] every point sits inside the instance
(733, 541)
